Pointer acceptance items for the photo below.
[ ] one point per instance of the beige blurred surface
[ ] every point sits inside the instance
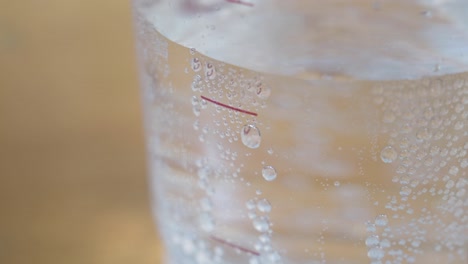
(72, 166)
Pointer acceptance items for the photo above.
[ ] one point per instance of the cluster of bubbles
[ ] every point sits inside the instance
(426, 123)
(375, 245)
(197, 250)
(233, 98)
(258, 211)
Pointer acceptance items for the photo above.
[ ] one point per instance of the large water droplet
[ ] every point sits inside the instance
(388, 154)
(250, 136)
(269, 173)
(264, 206)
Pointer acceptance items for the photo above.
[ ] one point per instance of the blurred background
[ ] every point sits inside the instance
(72, 160)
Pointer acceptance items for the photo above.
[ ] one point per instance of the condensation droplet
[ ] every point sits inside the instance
(269, 173)
(250, 136)
(264, 206)
(388, 154)
(381, 220)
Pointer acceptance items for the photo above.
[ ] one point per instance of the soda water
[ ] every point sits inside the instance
(274, 141)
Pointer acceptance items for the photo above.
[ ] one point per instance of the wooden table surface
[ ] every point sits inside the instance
(72, 161)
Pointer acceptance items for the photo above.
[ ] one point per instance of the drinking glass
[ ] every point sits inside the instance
(307, 131)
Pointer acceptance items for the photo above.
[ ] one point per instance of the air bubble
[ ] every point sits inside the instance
(251, 215)
(370, 227)
(449, 184)
(264, 206)
(261, 224)
(381, 220)
(415, 243)
(464, 163)
(388, 117)
(250, 204)
(459, 125)
(426, 13)
(269, 173)
(376, 253)
(372, 240)
(210, 71)
(453, 170)
(207, 222)
(405, 191)
(264, 238)
(196, 110)
(423, 134)
(250, 136)
(206, 204)
(388, 154)
(263, 92)
(337, 184)
(385, 243)
(196, 64)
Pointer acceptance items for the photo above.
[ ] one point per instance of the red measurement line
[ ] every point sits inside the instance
(240, 2)
(229, 107)
(222, 241)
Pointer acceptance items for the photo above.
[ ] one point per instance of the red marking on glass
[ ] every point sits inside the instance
(243, 249)
(240, 2)
(229, 107)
